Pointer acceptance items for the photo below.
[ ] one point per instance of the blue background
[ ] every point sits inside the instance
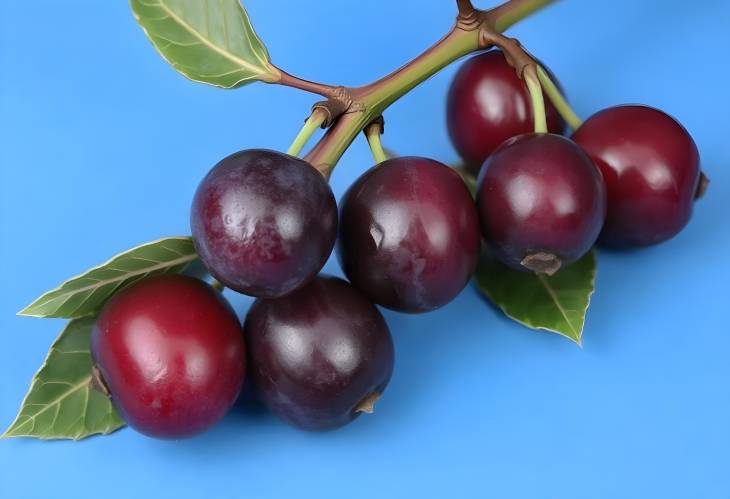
(102, 146)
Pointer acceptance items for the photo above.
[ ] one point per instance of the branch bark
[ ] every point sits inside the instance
(286, 79)
(465, 8)
(369, 101)
(509, 13)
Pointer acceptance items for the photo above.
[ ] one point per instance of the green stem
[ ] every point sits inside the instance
(370, 101)
(381, 94)
(372, 133)
(536, 100)
(314, 121)
(556, 97)
(509, 13)
(376, 97)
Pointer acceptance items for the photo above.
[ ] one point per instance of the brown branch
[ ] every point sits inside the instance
(514, 52)
(465, 7)
(369, 101)
(289, 80)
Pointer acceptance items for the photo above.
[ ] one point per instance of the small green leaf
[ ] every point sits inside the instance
(60, 402)
(210, 41)
(558, 303)
(86, 293)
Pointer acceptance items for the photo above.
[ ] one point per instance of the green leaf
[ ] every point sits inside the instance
(86, 293)
(61, 402)
(558, 303)
(210, 41)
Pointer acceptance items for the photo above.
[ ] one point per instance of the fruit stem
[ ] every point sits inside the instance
(558, 100)
(538, 103)
(367, 405)
(526, 68)
(372, 133)
(702, 185)
(542, 263)
(97, 382)
(314, 121)
(369, 101)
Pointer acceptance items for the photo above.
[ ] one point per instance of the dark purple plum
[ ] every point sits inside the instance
(263, 222)
(319, 356)
(541, 202)
(652, 169)
(409, 237)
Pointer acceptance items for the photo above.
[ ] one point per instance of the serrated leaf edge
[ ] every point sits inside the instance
(25, 312)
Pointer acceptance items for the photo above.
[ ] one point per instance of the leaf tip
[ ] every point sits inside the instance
(7, 434)
(28, 312)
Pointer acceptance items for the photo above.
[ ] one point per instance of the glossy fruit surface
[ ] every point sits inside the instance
(320, 354)
(264, 223)
(171, 352)
(651, 168)
(488, 104)
(409, 237)
(540, 194)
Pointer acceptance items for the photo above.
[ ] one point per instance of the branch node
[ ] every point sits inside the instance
(376, 126)
(469, 18)
(347, 119)
(340, 102)
(514, 52)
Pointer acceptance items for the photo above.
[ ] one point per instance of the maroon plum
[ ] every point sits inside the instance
(541, 202)
(171, 353)
(488, 104)
(651, 167)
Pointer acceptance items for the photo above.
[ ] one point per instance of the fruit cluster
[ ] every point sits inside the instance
(173, 355)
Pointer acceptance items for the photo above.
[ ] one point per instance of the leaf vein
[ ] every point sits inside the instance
(208, 43)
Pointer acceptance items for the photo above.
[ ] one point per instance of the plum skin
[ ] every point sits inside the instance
(540, 193)
(263, 222)
(317, 353)
(170, 351)
(651, 167)
(409, 237)
(487, 104)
